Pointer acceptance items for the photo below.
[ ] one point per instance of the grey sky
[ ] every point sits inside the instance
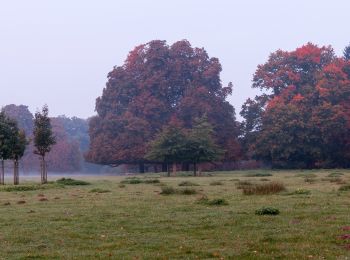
(59, 52)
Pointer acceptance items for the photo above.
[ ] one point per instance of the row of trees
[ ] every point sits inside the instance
(13, 142)
(301, 118)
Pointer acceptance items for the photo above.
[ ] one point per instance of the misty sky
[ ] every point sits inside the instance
(59, 52)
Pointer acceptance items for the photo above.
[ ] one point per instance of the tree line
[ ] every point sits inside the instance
(151, 108)
(13, 142)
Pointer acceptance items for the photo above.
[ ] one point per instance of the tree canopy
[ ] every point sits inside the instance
(303, 118)
(158, 82)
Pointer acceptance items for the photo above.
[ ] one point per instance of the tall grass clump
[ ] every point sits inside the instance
(258, 174)
(188, 183)
(71, 182)
(264, 189)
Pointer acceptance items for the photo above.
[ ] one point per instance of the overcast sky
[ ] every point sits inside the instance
(59, 52)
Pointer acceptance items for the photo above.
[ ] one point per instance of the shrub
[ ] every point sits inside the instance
(216, 183)
(188, 183)
(71, 182)
(166, 190)
(121, 185)
(98, 190)
(259, 174)
(267, 211)
(264, 189)
(344, 188)
(21, 188)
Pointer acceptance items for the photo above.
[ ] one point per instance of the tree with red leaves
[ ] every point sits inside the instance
(156, 82)
(303, 119)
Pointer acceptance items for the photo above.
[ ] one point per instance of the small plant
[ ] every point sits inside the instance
(121, 185)
(267, 211)
(166, 190)
(301, 192)
(98, 190)
(71, 182)
(310, 180)
(344, 188)
(216, 183)
(259, 174)
(264, 179)
(264, 189)
(188, 183)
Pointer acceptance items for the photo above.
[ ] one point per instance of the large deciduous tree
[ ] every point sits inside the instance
(43, 139)
(303, 118)
(157, 82)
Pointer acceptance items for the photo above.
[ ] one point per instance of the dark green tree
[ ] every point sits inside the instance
(200, 145)
(43, 138)
(169, 146)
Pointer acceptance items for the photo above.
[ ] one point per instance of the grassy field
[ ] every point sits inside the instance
(109, 219)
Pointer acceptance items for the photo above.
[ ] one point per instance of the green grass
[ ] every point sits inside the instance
(137, 222)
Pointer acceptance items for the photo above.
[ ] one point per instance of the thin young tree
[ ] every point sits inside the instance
(5, 132)
(18, 146)
(43, 139)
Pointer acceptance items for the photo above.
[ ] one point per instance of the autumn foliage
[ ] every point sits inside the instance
(303, 117)
(158, 82)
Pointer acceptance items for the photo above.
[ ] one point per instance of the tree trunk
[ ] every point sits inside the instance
(174, 168)
(2, 174)
(155, 168)
(15, 173)
(199, 169)
(141, 167)
(168, 169)
(45, 171)
(195, 169)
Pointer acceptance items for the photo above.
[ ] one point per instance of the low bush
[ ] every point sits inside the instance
(98, 190)
(267, 211)
(188, 183)
(166, 190)
(264, 189)
(71, 182)
(28, 187)
(216, 183)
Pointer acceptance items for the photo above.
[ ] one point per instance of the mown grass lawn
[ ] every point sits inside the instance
(108, 219)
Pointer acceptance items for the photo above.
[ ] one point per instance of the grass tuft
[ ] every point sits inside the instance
(258, 174)
(264, 189)
(216, 183)
(166, 190)
(71, 182)
(98, 190)
(188, 183)
(344, 188)
(267, 211)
